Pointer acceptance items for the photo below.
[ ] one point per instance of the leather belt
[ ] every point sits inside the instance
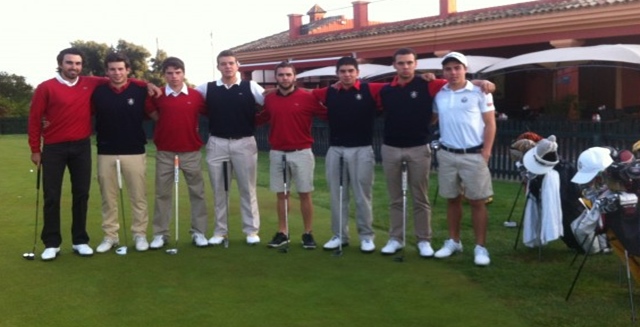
(294, 150)
(230, 137)
(475, 149)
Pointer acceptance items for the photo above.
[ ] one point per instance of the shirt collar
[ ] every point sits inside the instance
(64, 81)
(396, 82)
(356, 86)
(221, 83)
(169, 91)
(120, 89)
(468, 86)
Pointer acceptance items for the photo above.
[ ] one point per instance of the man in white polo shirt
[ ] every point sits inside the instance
(466, 117)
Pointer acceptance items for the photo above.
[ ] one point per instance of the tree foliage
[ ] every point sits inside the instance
(15, 95)
(140, 58)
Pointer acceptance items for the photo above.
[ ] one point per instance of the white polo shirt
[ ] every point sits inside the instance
(460, 115)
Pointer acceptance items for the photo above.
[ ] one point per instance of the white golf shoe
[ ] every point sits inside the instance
(253, 239)
(199, 240)
(106, 245)
(332, 244)
(216, 240)
(157, 242)
(450, 247)
(367, 246)
(49, 254)
(392, 247)
(425, 249)
(84, 250)
(141, 243)
(481, 256)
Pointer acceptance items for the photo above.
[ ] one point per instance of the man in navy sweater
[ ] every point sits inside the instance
(119, 109)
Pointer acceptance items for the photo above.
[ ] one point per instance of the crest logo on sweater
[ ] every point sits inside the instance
(358, 96)
(413, 94)
(464, 100)
(130, 101)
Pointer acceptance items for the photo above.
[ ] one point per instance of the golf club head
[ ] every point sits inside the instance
(284, 250)
(399, 259)
(29, 255)
(226, 243)
(337, 253)
(121, 250)
(172, 251)
(510, 224)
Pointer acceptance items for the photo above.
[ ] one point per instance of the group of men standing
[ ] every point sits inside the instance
(61, 116)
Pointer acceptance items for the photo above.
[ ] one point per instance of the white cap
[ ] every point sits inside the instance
(590, 162)
(457, 56)
(543, 157)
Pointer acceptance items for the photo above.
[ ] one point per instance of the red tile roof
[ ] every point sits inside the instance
(282, 40)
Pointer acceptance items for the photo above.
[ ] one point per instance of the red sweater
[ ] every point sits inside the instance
(177, 126)
(291, 117)
(67, 109)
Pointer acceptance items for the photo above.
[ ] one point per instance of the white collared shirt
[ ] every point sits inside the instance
(169, 91)
(256, 89)
(460, 115)
(64, 81)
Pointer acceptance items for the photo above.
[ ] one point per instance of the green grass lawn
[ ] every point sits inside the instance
(257, 286)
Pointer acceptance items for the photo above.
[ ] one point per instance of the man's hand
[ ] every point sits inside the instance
(153, 90)
(36, 158)
(428, 77)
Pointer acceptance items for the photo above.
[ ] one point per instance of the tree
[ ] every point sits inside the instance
(137, 55)
(154, 75)
(15, 95)
(94, 54)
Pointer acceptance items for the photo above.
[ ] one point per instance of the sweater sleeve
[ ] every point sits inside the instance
(36, 114)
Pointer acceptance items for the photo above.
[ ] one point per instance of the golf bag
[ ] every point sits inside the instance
(570, 201)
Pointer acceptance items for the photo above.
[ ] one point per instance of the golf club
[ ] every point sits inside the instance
(510, 223)
(123, 249)
(285, 248)
(32, 255)
(225, 175)
(400, 257)
(338, 252)
(176, 179)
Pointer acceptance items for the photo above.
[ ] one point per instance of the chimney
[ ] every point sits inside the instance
(447, 7)
(360, 14)
(316, 13)
(295, 23)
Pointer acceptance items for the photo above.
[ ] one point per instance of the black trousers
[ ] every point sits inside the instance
(55, 159)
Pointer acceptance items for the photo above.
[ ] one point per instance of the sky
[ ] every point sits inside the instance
(32, 32)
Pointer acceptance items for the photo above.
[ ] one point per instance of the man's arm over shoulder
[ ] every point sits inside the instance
(257, 92)
(436, 85)
(489, 119)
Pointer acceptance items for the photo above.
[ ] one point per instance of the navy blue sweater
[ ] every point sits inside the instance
(351, 114)
(119, 118)
(231, 111)
(408, 110)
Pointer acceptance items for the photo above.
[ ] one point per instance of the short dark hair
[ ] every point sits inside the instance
(117, 57)
(71, 51)
(405, 51)
(347, 61)
(226, 53)
(284, 64)
(174, 62)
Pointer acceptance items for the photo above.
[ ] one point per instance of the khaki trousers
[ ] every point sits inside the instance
(133, 169)
(418, 166)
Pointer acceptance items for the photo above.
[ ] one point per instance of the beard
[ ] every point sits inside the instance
(286, 86)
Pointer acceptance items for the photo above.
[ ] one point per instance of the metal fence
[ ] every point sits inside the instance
(572, 136)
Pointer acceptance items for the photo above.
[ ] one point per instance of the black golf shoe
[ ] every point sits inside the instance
(278, 240)
(307, 241)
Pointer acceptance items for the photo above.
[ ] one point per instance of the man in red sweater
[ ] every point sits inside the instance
(176, 113)
(64, 103)
(290, 112)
